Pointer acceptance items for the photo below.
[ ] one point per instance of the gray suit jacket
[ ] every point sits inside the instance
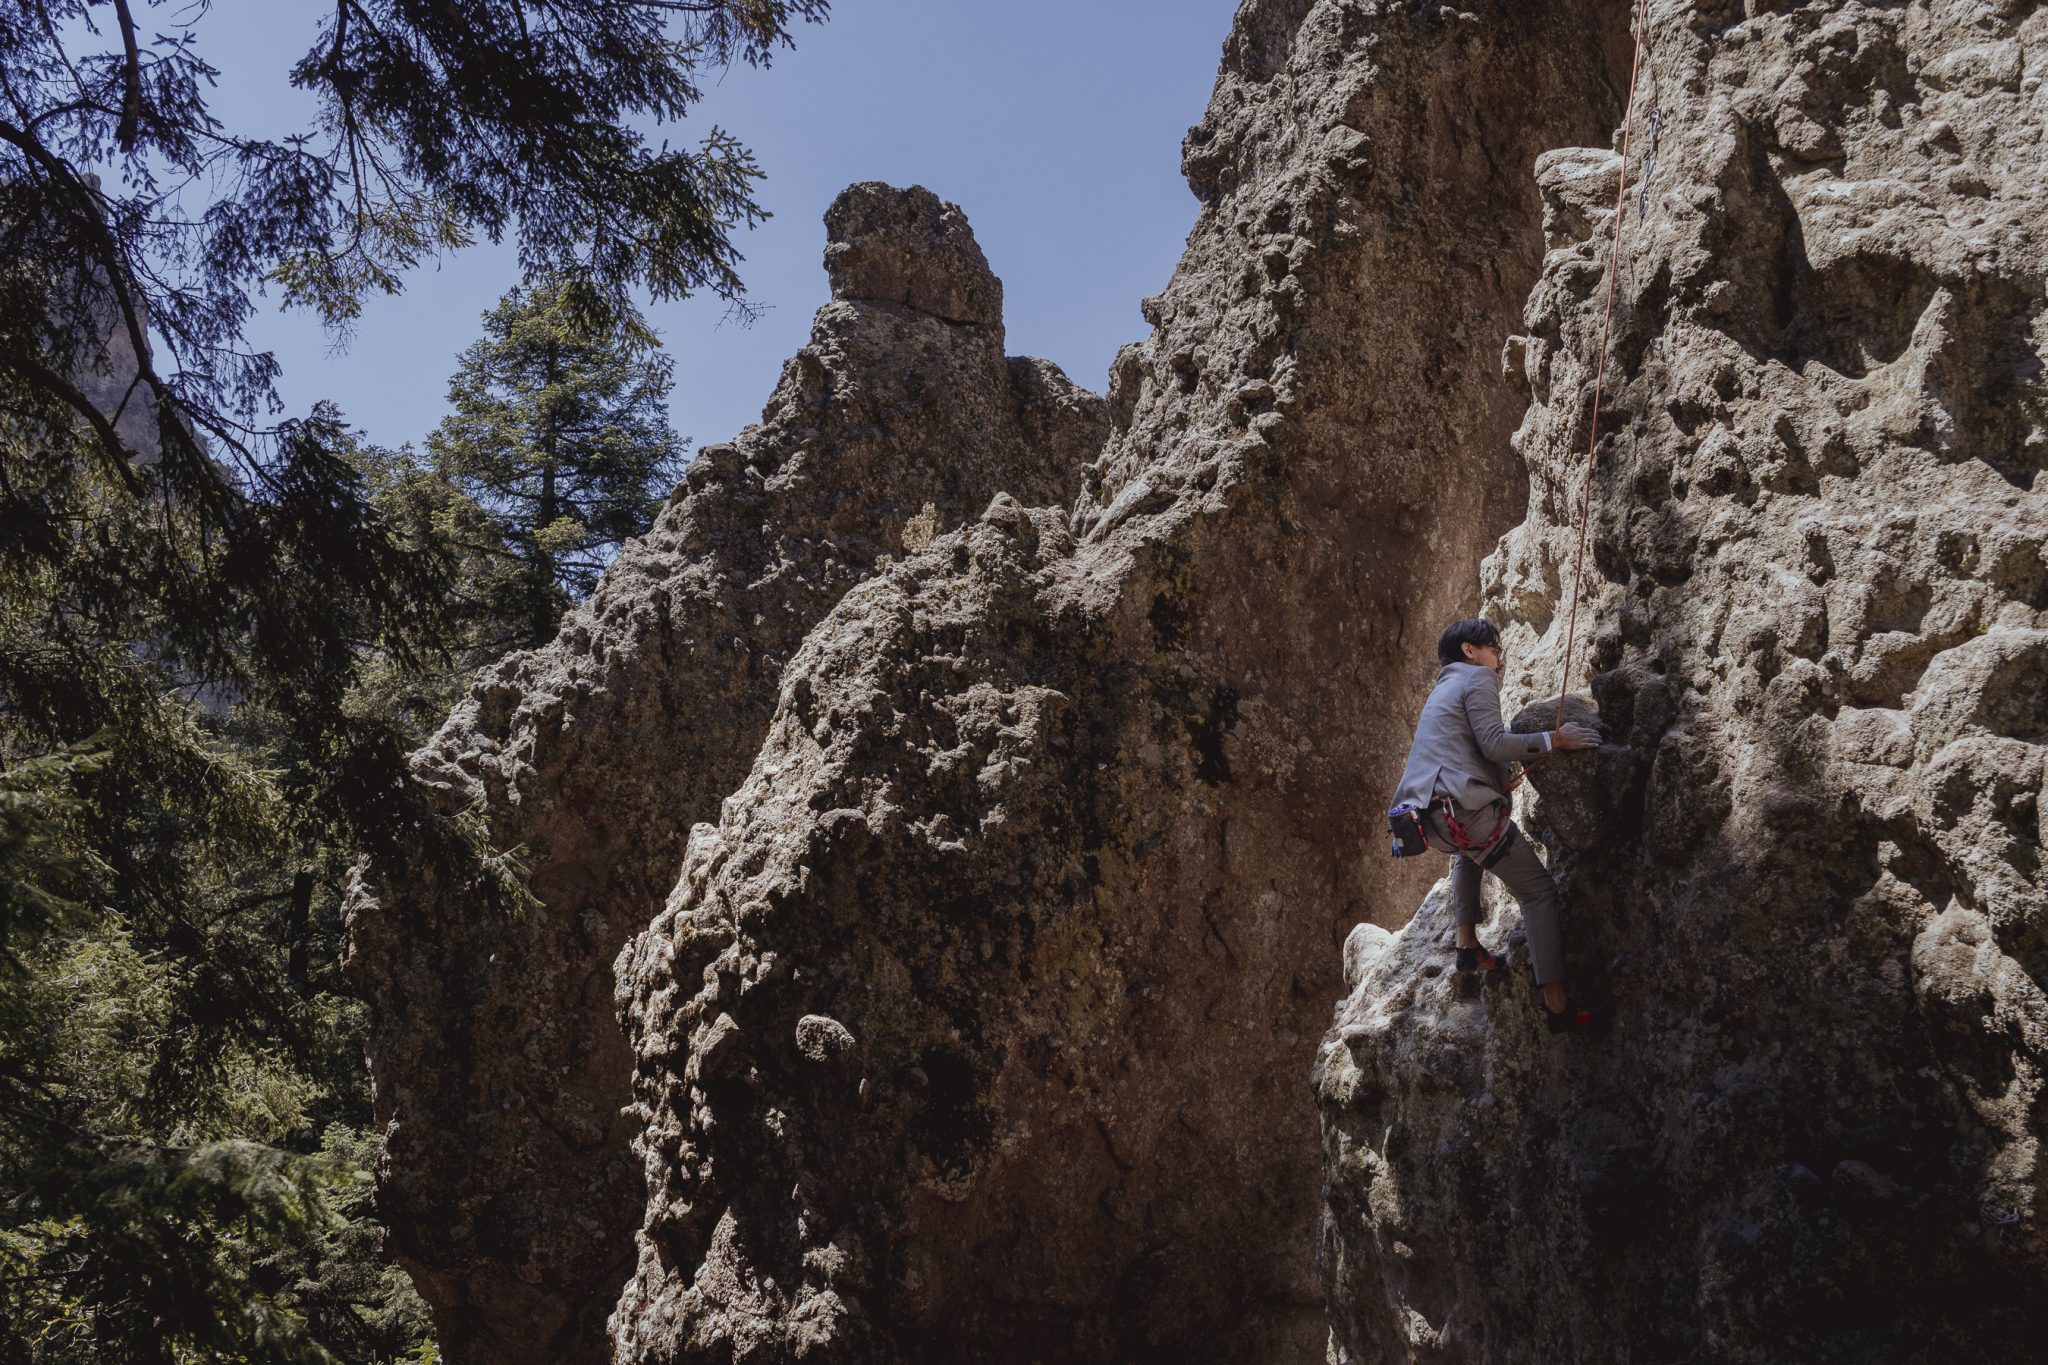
(1462, 747)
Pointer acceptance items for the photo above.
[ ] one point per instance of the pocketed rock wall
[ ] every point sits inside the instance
(975, 1028)
(508, 1182)
(1816, 593)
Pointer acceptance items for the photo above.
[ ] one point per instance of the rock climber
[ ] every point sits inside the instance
(1455, 787)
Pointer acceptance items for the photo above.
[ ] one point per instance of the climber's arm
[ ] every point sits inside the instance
(1496, 741)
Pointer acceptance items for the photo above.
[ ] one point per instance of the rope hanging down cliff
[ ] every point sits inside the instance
(1641, 27)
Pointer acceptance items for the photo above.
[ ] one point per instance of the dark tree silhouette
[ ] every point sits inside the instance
(204, 602)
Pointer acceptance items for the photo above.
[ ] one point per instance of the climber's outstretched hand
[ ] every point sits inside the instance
(1575, 735)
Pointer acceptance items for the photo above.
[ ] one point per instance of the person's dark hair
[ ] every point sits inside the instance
(1477, 631)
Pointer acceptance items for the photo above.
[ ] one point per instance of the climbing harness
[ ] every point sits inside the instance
(1404, 823)
(1642, 25)
(1488, 851)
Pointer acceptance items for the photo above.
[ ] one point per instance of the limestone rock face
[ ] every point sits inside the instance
(912, 249)
(977, 913)
(1815, 599)
(508, 1183)
(1061, 822)
(1579, 798)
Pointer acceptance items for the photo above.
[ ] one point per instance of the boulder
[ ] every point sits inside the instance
(1571, 791)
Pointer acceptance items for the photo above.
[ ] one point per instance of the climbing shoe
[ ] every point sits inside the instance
(1576, 1018)
(1480, 959)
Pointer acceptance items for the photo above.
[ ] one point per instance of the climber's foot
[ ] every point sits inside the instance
(1573, 1018)
(1478, 959)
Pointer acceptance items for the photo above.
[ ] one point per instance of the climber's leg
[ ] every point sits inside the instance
(1464, 880)
(1465, 895)
(1529, 882)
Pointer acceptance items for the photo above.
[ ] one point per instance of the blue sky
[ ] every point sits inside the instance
(1056, 125)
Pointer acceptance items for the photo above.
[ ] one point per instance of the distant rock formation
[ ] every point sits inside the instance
(1807, 865)
(84, 320)
(508, 1182)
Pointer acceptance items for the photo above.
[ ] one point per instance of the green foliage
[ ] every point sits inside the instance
(43, 856)
(479, 618)
(226, 1250)
(149, 1225)
(134, 226)
(220, 632)
(182, 1162)
(174, 1042)
(558, 432)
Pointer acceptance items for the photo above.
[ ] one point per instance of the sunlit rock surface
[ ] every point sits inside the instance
(1061, 822)
(1811, 880)
(508, 1181)
(978, 913)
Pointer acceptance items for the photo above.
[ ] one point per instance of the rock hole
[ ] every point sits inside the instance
(1169, 622)
(951, 1126)
(1854, 315)
(1212, 765)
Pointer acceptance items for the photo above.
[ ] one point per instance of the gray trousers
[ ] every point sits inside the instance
(1525, 877)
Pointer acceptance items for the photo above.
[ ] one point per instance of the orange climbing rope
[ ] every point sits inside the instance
(1628, 119)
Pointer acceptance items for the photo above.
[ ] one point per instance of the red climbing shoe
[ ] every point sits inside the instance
(1480, 959)
(1578, 1018)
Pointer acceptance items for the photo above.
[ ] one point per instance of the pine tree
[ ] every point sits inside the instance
(559, 431)
(221, 631)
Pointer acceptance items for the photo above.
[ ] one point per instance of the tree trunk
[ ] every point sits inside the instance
(543, 608)
(296, 968)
